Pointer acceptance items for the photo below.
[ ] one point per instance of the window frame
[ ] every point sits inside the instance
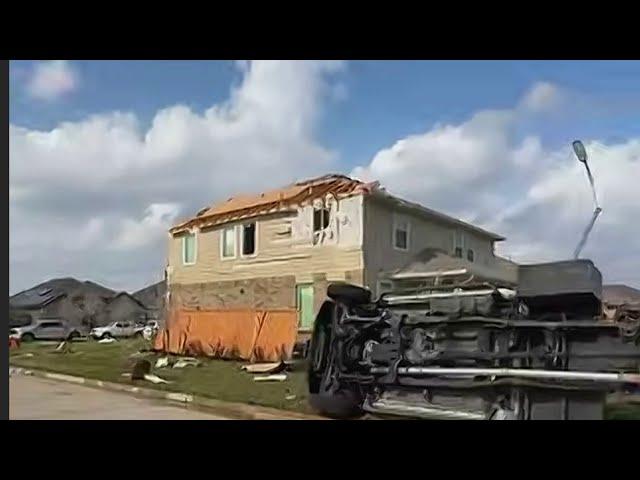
(235, 243)
(459, 234)
(396, 222)
(255, 240)
(473, 255)
(195, 248)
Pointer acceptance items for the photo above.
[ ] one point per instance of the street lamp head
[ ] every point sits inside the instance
(580, 151)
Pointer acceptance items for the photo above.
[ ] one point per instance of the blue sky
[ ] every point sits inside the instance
(358, 111)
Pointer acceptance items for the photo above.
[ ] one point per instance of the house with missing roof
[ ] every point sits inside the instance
(281, 248)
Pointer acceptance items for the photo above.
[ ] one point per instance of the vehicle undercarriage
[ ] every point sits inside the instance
(474, 351)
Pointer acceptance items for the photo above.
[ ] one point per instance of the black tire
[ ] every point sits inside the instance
(73, 335)
(342, 405)
(27, 337)
(138, 335)
(105, 335)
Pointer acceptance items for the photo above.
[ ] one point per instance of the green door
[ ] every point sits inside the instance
(305, 306)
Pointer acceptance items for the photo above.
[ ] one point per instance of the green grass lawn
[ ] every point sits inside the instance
(219, 379)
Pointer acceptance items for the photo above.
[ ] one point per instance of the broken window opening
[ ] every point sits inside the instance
(249, 239)
(321, 217)
(458, 252)
(470, 255)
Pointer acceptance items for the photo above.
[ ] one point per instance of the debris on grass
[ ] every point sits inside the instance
(107, 340)
(263, 367)
(162, 362)
(186, 362)
(154, 379)
(63, 347)
(270, 378)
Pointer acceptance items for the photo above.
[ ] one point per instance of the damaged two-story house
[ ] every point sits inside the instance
(280, 249)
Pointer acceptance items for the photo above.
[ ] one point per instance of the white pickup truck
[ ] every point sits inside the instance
(117, 330)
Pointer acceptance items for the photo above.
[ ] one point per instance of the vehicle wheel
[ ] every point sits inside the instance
(342, 405)
(138, 335)
(73, 335)
(27, 337)
(105, 335)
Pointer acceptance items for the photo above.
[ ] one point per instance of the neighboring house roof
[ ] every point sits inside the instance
(128, 296)
(153, 295)
(53, 290)
(620, 294)
(300, 193)
(435, 262)
(35, 298)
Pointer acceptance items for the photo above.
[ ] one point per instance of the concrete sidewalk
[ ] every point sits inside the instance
(34, 398)
(230, 410)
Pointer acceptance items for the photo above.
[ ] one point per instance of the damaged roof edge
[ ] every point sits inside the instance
(416, 207)
(336, 184)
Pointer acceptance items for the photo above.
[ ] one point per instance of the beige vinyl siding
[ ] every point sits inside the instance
(381, 256)
(276, 254)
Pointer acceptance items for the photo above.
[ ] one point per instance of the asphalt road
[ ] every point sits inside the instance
(32, 398)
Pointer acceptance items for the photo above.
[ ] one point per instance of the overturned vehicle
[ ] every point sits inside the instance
(474, 351)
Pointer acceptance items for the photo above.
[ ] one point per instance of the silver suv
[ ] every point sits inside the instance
(45, 329)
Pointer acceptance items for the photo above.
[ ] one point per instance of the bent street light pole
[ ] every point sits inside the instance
(581, 153)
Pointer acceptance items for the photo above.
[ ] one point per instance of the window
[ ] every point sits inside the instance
(229, 242)
(320, 219)
(249, 239)
(320, 223)
(189, 249)
(470, 255)
(50, 325)
(458, 244)
(401, 230)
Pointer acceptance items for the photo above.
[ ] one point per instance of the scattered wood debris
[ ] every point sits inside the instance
(270, 378)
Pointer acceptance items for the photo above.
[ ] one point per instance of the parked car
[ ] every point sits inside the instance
(117, 330)
(45, 329)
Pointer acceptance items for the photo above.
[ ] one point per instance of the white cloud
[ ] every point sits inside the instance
(157, 220)
(543, 96)
(52, 79)
(108, 167)
(483, 171)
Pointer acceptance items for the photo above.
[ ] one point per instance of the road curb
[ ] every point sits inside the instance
(237, 411)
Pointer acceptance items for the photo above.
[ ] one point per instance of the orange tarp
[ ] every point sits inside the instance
(254, 335)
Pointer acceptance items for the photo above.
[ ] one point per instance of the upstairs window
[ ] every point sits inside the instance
(458, 244)
(401, 232)
(249, 239)
(228, 242)
(320, 222)
(189, 249)
(470, 255)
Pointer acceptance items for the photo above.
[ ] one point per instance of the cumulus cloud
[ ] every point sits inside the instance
(138, 181)
(543, 96)
(51, 79)
(484, 171)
